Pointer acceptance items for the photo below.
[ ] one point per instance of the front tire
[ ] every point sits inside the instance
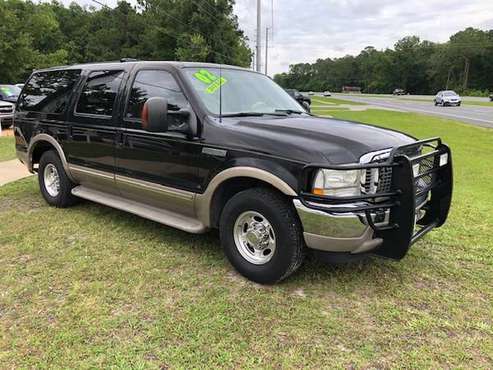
(54, 183)
(261, 235)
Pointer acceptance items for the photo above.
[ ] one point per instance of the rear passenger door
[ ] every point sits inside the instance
(94, 129)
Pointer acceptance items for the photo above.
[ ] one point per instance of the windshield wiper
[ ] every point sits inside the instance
(253, 114)
(290, 111)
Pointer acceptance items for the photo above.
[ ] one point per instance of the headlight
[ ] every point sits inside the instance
(338, 183)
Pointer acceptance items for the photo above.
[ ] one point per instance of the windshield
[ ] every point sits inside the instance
(9, 90)
(449, 93)
(242, 92)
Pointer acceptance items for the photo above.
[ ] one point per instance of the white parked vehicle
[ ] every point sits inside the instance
(327, 93)
(7, 111)
(447, 97)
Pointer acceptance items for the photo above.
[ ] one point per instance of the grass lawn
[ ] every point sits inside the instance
(323, 100)
(93, 287)
(7, 148)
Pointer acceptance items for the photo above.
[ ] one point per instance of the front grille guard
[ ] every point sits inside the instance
(434, 183)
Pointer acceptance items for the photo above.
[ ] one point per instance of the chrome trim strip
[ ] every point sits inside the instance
(92, 172)
(161, 189)
(370, 157)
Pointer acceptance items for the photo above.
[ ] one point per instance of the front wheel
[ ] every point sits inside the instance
(54, 183)
(261, 235)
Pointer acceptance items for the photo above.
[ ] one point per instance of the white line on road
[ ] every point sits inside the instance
(427, 111)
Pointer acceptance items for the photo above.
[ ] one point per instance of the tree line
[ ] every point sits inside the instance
(463, 63)
(36, 35)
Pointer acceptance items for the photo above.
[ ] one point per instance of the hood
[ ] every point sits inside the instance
(10, 99)
(310, 139)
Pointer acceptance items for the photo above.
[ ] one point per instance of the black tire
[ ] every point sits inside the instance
(64, 198)
(280, 213)
(436, 103)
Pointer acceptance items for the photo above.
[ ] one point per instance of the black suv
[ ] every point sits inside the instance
(200, 146)
(304, 100)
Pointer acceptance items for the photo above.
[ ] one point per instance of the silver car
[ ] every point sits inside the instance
(6, 114)
(447, 97)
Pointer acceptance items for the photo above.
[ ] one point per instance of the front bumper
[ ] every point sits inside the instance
(382, 223)
(450, 103)
(6, 119)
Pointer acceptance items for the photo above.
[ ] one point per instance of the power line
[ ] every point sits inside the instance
(100, 3)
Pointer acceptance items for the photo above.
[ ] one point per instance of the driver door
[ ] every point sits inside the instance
(159, 169)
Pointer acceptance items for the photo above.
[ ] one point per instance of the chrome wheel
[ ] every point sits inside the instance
(51, 180)
(254, 237)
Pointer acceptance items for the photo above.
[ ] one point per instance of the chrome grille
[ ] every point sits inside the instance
(6, 109)
(379, 180)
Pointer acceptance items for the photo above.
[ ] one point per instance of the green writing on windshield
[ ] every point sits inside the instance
(212, 81)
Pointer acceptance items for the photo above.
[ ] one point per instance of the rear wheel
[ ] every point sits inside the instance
(261, 235)
(54, 183)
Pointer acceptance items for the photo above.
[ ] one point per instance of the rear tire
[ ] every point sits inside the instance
(54, 183)
(261, 235)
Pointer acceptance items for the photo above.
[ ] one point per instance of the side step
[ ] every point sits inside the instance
(162, 216)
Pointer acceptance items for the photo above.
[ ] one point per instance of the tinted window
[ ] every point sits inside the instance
(150, 84)
(48, 92)
(99, 93)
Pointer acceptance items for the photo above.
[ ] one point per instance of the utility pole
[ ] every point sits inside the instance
(266, 48)
(259, 34)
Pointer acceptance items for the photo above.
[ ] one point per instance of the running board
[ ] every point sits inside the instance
(168, 218)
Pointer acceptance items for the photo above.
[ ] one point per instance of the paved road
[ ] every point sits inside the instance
(474, 114)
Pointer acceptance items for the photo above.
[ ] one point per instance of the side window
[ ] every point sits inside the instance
(48, 92)
(154, 83)
(99, 93)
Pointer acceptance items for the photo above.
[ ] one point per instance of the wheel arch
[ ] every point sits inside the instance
(228, 183)
(42, 143)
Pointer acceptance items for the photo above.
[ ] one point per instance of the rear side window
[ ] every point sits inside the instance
(48, 92)
(154, 83)
(99, 93)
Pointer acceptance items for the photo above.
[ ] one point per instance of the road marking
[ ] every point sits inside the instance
(390, 105)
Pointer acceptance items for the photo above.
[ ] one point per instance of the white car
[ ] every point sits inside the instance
(327, 93)
(447, 97)
(6, 114)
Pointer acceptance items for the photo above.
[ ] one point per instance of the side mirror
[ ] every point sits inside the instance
(155, 115)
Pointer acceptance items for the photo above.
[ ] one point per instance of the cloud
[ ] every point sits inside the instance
(305, 30)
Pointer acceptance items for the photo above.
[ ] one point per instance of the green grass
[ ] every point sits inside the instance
(7, 148)
(93, 287)
(326, 100)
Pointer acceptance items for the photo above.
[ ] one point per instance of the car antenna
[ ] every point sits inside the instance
(220, 94)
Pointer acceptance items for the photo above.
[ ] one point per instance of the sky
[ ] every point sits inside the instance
(306, 30)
